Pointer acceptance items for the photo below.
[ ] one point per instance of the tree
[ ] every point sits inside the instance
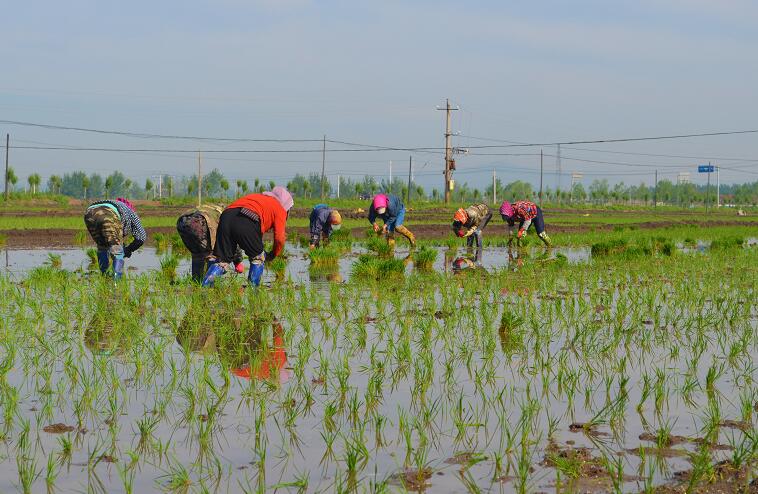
(169, 184)
(271, 185)
(34, 181)
(85, 185)
(54, 184)
(599, 190)
(578, 193)
(127, 187)
(108, 185)
(148, 187)
(11, 178)
(224, 186)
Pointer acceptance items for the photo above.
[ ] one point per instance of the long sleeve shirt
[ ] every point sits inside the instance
(130, 223)
(271, 215)
(319, 223)
(523, 212)
(394, 205)
(478, 217)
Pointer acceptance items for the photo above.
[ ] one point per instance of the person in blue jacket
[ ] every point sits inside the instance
(324, 220)
(391, 210)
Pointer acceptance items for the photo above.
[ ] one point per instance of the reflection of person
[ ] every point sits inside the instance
(242, 224)
(526, 213)
(240, 346)
(391, 210)
(197, 228)
(323, 221)
(109, 222)
(470, 223)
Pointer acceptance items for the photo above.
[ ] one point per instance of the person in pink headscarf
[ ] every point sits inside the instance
(525, 213)
(242, 224)
(391, 210)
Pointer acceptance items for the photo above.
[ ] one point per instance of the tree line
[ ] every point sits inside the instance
(80, 185)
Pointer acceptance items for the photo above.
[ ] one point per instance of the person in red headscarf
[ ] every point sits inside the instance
(525, 213)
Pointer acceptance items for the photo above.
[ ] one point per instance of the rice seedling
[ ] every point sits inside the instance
(169, 264)
(82, 237)
(424, 257)
(326, 256)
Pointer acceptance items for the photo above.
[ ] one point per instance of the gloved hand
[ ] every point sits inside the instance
(376, 228)
(460, 233)
(521, 233)
(239, 267)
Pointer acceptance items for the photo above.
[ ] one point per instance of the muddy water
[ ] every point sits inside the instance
(18, 262)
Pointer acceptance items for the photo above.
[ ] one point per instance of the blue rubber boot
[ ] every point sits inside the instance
(256, 271)
(118, 268)
(103, 260)
(210, 276)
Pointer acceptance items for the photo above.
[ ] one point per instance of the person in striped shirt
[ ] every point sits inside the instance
(109, 223)
(525, 213)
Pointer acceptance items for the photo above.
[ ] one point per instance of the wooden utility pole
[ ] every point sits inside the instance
(708, 189)
(540, 177)
(410, 171)
(7, 145)
(323, 166)
(338, 186)
(448, 150)
(718, 189)
(199, 179)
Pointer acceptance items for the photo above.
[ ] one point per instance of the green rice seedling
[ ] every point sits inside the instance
(169, 264)
(324, 256)
(177, 245)
(92, 256)
(424, 257)
(55, 261)
(278, 266)
(379, 246)
(161, 241)
(727, 243)
(371, 267)
(27, 472)
(81, 237)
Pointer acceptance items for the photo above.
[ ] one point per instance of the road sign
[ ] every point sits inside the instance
(706, 169)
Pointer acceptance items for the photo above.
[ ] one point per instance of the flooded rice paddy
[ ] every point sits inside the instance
(538, 373)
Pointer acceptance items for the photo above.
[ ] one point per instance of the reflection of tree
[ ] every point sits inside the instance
(237, 336)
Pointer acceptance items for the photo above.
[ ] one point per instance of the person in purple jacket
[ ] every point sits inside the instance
(324, 220)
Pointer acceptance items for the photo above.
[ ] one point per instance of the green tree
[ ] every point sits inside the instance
(54, 184)
(34, 181)
(85, 185)
(108, 185)
(149, 185)
(11, 178)
(224, 186)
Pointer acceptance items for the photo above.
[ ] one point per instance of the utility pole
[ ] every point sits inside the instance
(410, 171)
(323, 166)
(390, 176)
(708, 188)
(448, 150)
(559, 173)
(338, 186)
(199, 179)
(160, 186)
(540, 177)
(494, 187)
(7, 145)
(718, 189)
(655, 190)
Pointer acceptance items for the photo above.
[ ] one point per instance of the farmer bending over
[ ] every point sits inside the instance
(525, 212)
(324, 221)
(109, 222)
(392, 211)
(197, 228)
(470, 222)
(242, 224)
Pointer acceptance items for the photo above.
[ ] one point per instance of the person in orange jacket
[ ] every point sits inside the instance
(242, 224)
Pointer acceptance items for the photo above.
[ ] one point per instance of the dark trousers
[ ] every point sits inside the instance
(237, 230)
(539, 221)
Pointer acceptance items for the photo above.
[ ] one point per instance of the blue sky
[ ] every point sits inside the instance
(373, 72)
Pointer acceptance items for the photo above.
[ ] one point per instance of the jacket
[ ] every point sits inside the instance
(271, 214)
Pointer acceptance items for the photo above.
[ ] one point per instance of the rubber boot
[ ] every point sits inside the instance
(402, 230)
(543, 236)
(256, 272)
(391, 242)
(198, 269)
(118, 268)
(103, 260)
(214, 270)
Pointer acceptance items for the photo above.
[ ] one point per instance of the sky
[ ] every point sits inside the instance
(375, 73)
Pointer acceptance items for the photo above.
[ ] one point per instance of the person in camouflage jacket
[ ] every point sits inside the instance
(109, 223)
(470, 223)
(197, 229)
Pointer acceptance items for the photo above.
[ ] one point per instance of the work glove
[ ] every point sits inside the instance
(376, 228)
(521, 233)
(239, 267)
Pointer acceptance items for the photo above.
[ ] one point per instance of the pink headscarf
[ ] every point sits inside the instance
(506, 209)
(381, 201)
(126, 202)
(283, 196)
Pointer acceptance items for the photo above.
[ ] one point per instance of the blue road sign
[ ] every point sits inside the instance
(706, 169)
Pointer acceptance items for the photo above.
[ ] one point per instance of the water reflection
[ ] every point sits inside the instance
(239, 337)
